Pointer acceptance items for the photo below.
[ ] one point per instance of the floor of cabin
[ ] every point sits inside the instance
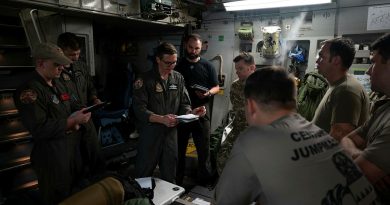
(193, 190)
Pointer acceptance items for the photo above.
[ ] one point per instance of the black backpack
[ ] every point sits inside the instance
(132, 189)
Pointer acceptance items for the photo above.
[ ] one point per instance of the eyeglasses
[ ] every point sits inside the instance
(169, 63)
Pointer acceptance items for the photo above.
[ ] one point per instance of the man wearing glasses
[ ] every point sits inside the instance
(160, 95)
(197, 72)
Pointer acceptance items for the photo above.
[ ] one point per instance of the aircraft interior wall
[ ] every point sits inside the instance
(116, 48)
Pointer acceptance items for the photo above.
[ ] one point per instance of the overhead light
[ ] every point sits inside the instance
(267, 4)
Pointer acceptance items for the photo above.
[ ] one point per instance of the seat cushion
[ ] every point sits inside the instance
(108, 191)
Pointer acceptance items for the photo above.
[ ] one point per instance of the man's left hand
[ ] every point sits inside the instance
(97, 101)
(200, 111)
(201, 94)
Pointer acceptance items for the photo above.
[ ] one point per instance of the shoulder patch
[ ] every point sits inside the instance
(28, 96)
(138, 83)
(159, 88)
(65, 76)
(54, 99)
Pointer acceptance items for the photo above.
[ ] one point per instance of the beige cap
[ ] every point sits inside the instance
(51, 51)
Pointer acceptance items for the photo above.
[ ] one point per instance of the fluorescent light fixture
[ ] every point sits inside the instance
(266, 4)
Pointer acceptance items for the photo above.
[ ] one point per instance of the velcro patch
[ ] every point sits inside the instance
(65, 96)
(28, 96)
(159, 88)
(65, 76)
(138, 83)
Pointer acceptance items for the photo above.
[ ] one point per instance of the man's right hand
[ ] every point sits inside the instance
(80, 117)
(169, 120)
(77, 118)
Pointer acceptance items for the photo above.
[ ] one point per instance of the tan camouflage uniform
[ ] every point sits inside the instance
(237, 99)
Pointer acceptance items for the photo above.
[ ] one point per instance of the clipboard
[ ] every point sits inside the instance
(200, 88)
(95, 107)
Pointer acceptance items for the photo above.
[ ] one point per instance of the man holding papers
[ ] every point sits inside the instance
(159, 96)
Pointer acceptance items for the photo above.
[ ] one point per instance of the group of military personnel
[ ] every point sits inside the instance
(67, 152)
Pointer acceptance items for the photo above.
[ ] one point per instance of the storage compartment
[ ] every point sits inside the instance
(16, 143)
(13, 130)
(7, 104)
(92, 4)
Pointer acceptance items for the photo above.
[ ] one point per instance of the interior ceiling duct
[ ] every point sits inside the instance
(208, 4)
(198, 2)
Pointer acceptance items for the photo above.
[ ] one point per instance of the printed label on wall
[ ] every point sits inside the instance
(378, 17)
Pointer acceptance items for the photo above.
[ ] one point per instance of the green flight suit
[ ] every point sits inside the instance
(77, 79)
(158, 143)
(80, 83)
(56, 156)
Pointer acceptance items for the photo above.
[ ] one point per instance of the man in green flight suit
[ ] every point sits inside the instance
(53, 119)
(76, 75)
(160, 95)
(76, 78)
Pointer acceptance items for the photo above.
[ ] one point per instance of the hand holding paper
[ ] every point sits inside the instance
(187, 118)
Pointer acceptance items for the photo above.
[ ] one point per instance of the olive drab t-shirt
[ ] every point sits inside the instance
(344, 102)
(376, 132)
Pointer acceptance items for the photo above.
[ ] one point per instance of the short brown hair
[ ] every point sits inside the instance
(68, 40)
(272, 86)
(248, 58)
(193, 36)
(382, 45)
(165, 48)
(342, 47)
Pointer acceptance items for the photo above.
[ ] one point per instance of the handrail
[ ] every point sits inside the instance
(35, 24)
(219, 57)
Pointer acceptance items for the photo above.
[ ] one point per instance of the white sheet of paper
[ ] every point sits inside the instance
(187, 117)
(200, 202)
(145, 182)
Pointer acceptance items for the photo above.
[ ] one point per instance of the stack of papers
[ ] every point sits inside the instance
(199, 201)
(164, 192)
(187, 118)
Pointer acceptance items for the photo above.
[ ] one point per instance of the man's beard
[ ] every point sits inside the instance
(192, 56)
